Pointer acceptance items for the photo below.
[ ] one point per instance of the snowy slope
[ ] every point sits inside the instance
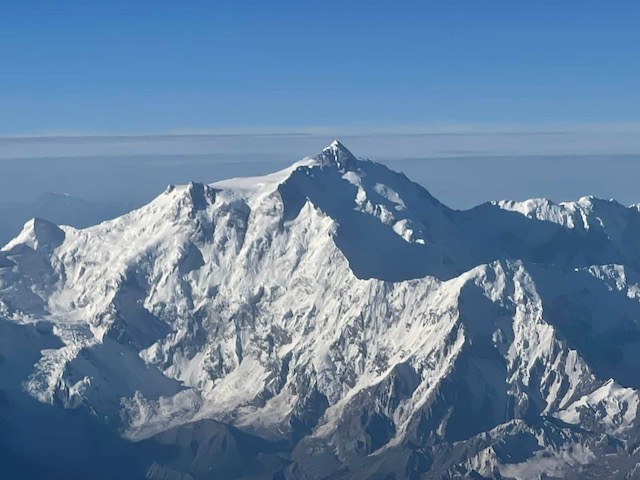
(338, 311)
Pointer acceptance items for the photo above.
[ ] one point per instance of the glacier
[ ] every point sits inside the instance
(331, 320)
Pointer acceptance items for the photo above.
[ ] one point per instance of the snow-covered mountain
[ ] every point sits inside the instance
(59, 208)
(332, 320)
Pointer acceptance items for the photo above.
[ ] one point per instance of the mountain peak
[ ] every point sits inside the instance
(39, 234)
(337, 146)
(336, 154)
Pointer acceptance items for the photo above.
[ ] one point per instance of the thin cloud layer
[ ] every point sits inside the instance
(391, 142)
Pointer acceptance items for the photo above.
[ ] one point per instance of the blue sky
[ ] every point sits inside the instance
(163, 66)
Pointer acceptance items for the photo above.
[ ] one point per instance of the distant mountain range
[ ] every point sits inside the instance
(332, 320)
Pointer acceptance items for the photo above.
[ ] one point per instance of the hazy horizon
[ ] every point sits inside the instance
(460, 182)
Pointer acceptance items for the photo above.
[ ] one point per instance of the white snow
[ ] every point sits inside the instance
(613, 406)
(233, 300)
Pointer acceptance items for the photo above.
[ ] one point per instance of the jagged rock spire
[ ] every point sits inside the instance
(336, 154)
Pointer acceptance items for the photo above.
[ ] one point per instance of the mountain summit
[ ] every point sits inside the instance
(338, 155)
(325, 323)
